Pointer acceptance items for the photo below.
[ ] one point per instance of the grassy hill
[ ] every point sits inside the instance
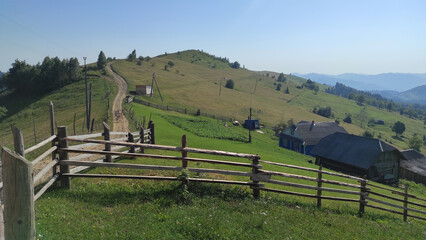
(193, 82)
(24, 111)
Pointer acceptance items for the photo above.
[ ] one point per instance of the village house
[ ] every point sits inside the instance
(359, 156)
(143, 89)
(303, 136)
(413, 168)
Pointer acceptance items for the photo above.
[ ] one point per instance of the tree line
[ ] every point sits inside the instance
(42, 78)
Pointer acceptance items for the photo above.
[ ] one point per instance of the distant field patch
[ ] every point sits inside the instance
(206, 128)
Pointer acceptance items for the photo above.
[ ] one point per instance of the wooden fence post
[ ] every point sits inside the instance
(151, 127)
(184, 153)
(18, 141)
(62, 133)
(255, 170)
(363, 194)
(107, 145)
(52, 132)
(142, 138)
(18, 190)
(405, 203)
(319, 191)
(131, 138)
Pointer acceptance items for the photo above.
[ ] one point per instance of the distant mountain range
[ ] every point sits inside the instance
(414, 95)
(386, 81)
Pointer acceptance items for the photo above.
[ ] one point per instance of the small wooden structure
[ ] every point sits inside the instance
(359, 156)
(413, 168)
(143, 89)
(251, 124)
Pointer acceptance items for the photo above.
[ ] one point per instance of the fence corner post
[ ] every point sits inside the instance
(319, 191)
(142, 137)
(108, 157)
(362, 196)
(18, 191)
(131, 139)
(255, 170)
(405, 203)
(18, 141)
(184, 153)
(62, 143)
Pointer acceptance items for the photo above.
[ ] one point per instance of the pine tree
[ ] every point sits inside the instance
(101, 60)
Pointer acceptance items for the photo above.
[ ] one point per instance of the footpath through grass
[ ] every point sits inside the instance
(134, 209)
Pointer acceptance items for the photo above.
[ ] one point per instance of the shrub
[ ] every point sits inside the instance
(325, 112)
(348, 119)
(229, 84)
(368, 134)
(171, 64)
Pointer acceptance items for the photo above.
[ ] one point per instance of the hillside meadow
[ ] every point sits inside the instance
(193, 82)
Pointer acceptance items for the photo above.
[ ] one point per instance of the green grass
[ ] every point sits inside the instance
(133, 209)
(195, 85)
(207, 128)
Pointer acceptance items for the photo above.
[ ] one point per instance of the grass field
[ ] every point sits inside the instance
(193, 83)
(132, 209)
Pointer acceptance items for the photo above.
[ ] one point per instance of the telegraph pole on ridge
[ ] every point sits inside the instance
(87, 104)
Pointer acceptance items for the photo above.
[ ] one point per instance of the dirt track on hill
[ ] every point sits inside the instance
(120, 122)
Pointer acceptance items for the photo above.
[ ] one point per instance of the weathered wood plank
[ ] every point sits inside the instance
(297, 185)
(162, 147)
(41, 144)
(120, 176)
(18, 141)
(86, 136)
(62, 143)
(340, 183)
(157, 156)
(44, 155)
(289, 175)
(45, 187)
(18, 191)
(395, 206)
(107, 139)
(44, 171)
(312, 170)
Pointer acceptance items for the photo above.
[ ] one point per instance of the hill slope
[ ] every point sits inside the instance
(194, 83)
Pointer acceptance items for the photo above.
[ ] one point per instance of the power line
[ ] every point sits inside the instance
(39, 35)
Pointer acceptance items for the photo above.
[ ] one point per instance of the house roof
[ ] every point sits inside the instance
(311, 132)
(411, 154)
(350, 149)
(415, 165)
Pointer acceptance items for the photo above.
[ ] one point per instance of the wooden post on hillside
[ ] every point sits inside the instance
(62, 133)
(73, 124)
(18, 141)
(18, 191)
(151, 127)
(184, 153)
(91, 126)
(405, 203)
(142, 138)
(255, 169)
(107, 145)
(319, 191)
(131, 139)
(34, 129)
(52, 132)
(363, 194)
(90, 107)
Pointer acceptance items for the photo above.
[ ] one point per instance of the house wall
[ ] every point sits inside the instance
(385, 168)
(412, 176)
(292, 144)
(340, 167)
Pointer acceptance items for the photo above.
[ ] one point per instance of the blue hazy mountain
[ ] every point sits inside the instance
(399, 82)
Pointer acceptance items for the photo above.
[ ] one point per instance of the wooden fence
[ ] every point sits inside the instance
(17, 207)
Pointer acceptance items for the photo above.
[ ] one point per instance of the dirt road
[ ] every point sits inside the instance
(120, 122)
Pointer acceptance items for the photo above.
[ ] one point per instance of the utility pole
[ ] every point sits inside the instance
(250, 126)
(87, 100)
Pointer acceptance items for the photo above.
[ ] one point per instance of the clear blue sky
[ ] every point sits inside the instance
(286, 36)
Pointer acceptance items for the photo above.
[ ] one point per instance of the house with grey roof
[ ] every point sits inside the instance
(303, 136)
(413, 168)
(359, 156)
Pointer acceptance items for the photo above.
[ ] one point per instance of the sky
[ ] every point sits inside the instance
(330, 37)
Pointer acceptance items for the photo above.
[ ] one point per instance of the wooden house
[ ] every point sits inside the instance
(303, 136)
(251, 124)
(359, 156)
(413, 168)
(143, 89)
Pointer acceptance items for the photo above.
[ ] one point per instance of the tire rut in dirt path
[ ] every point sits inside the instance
(120, 123)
